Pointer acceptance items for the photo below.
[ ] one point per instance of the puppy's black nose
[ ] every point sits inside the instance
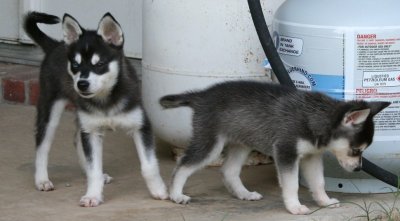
(357, 169)
(83, 85)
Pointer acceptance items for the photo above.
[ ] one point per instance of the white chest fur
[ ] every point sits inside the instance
(94, 121)
(305, 147)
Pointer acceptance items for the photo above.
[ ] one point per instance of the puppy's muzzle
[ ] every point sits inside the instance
(358, 168)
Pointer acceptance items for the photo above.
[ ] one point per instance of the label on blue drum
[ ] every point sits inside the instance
(332, 85)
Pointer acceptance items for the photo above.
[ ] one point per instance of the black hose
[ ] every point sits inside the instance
(283, 78)
(267, 43)
(379, 173)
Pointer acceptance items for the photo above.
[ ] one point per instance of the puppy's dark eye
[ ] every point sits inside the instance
(75, 65)
(100, 64)
(356, 152)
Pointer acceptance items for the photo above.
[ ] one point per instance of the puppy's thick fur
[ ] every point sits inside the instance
(90, 70)
(295, 127)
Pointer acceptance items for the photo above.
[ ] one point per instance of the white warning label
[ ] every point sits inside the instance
(381, 79)
(289, 46)
(377, 51)
(375, 60)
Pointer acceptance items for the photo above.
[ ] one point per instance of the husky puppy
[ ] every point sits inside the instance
(295, 127)
(90, 70)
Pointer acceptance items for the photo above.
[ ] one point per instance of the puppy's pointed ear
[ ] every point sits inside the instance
(71, 29)
(355, 117)
(110, 30)
(377, 106)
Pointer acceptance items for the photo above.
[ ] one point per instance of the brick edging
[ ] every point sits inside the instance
(19, 84)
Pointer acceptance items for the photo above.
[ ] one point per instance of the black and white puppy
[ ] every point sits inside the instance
(295, 127)
(90, 70)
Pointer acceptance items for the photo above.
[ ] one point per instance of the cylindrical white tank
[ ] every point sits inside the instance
(349, 50)
(189, 45)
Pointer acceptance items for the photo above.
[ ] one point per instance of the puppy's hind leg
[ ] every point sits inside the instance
(199, 153)
(48, 116)
(144, 141)
(231, 169)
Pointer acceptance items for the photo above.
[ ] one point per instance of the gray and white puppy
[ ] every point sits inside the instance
(88, 68)
(295, 127)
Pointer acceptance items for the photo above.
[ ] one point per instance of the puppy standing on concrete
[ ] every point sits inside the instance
(90, 70)
(295, 127)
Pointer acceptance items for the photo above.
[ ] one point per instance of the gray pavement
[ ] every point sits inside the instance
(126, 198)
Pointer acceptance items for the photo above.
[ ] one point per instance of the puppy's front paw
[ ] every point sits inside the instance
(331, 203)
(298, 209)
(180, 199)
(160, 194)
(45, 185)
(87, 201)
(251, 196)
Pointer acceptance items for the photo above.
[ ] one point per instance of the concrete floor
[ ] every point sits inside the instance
(127, 198)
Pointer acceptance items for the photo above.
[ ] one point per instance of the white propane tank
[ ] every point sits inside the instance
(349, 49)
(189, 45)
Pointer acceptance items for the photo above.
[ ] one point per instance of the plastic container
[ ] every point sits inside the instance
(349, 50)
(189, 45)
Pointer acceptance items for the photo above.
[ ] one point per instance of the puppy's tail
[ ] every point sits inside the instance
(177, 100)
(30, 25)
